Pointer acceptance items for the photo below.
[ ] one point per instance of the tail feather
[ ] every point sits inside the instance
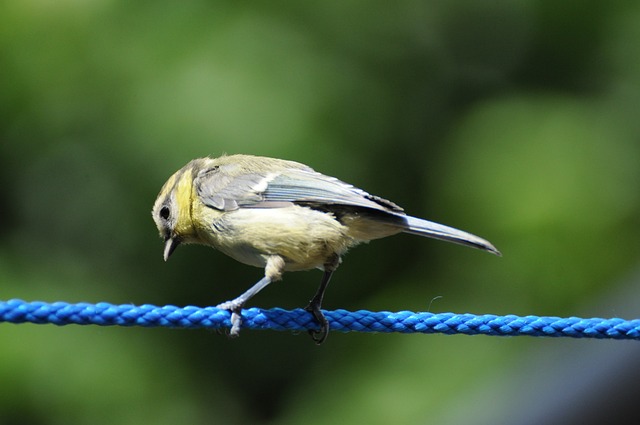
(420, 227)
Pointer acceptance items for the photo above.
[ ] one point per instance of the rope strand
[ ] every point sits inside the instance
(146, 315)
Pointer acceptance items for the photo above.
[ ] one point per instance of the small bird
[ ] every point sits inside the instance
(281, 216)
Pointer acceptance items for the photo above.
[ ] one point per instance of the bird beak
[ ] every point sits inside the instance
(169, 246)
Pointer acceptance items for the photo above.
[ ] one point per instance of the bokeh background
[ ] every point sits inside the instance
(515, 120)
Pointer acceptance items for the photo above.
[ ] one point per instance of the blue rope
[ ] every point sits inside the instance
(105, 314)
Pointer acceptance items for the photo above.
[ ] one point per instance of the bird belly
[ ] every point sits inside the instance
(305, 238)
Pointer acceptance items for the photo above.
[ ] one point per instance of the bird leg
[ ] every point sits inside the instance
(315, 305)
(273, 272)
(235, 305)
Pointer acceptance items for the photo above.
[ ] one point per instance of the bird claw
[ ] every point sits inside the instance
(320, 335)
(236, 318)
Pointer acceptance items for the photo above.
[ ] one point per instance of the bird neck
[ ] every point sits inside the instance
(184, 194)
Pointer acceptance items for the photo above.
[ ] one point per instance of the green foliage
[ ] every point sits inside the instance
(516, 121)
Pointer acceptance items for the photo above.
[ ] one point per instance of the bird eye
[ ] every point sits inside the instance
(165, 213)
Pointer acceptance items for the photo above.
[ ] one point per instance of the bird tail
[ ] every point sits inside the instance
(420, 227)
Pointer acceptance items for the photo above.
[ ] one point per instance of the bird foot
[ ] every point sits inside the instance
(318, 336)
(235, 307)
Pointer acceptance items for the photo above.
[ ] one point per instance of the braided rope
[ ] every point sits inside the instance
(105, 314)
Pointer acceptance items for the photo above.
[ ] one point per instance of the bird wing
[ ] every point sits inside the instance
(225, 189)
(313, 188)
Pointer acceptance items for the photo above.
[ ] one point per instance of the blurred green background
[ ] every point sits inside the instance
(514, 120)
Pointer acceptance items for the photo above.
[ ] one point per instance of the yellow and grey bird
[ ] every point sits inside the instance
(281, 216)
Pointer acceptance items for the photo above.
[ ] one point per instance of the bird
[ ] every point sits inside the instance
(281, 216)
